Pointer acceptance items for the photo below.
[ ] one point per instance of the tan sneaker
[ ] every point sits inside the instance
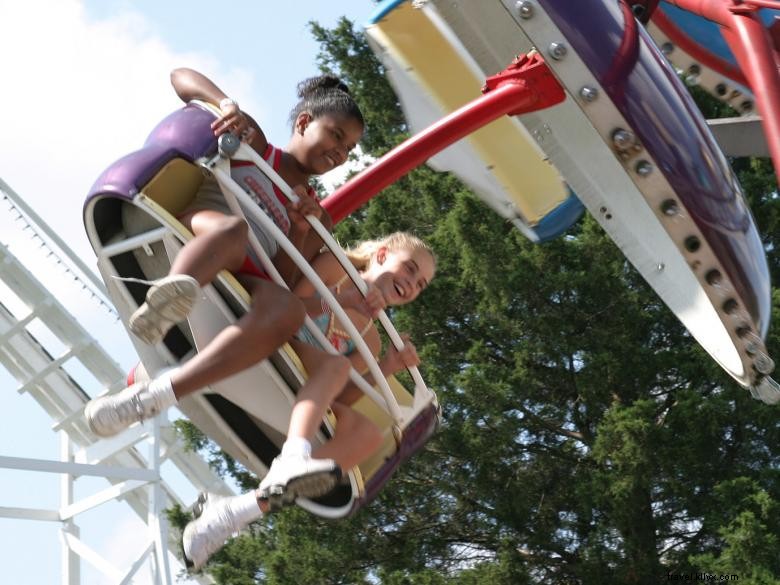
(108, 415)
(168, 301)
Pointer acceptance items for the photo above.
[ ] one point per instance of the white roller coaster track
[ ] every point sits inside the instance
(130, 462)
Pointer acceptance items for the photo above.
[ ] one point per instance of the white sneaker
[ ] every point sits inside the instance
(168, 301)
(208, 532)
(292, 477)
(108, 415)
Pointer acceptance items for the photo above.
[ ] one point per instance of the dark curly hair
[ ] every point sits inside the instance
(325, 94)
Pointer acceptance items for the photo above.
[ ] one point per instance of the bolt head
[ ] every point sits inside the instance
(644, 168)
(670, 208)
(525, 9)
(623, 139)
(589, 94)
(558, 51)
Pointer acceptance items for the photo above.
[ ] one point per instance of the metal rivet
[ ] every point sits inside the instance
(228, 145)
(643, 168)
(589, 94)
(730, 307)
(667, 48)
(670, 207)
(747, 106)
(623, 139)
(692, 243)
(714, 277)
(525, 10)
(721, 89)
(694, 69)
(660, 266)
(558, 51)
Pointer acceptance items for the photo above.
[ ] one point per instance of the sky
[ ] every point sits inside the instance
(83, 82)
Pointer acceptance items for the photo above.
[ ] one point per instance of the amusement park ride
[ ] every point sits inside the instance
(586, 110)
(545, 108)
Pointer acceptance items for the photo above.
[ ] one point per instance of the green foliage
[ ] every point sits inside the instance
(586, 437)
(194, 440)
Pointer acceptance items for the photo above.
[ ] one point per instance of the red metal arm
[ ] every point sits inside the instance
(527, 85)
(696, 51)
(774, 4)
(753, 48)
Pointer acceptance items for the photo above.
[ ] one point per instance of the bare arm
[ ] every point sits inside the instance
(191, 85)
(392, 362)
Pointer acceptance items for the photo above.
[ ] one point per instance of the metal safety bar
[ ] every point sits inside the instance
(336, 250)
(235, 195)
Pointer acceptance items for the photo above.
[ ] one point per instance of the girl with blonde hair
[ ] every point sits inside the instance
(396, 268)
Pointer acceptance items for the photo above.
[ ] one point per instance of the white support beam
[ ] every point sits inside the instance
(70, 569)
(103, 450)
(30, 514)
(92, 557)
(742, 136)
(28, 357)
(137, 564)
(71, 563)
(113, 493)
(76, 469)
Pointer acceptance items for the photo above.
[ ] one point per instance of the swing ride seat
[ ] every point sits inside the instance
(130, 218)
(627, 139)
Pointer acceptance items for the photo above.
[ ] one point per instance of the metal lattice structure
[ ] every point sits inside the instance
(131, 462)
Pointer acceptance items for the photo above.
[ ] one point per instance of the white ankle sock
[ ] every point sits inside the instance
(296, 446)
(245, 509)
(160, 392)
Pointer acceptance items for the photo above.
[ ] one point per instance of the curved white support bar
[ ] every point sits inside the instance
(234, 196)
(334, 247)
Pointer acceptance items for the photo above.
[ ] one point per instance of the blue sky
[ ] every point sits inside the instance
(84, 81)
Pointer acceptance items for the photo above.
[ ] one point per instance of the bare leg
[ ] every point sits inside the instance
(327, 376)
(275, 315)
(219, 244)
(356, 438)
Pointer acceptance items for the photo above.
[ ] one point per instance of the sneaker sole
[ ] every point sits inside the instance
(188, 563)
(165, 305)
(307, 486)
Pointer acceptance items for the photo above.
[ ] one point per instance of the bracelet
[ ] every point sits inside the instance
(225, 102)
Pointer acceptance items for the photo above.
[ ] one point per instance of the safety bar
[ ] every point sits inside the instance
(336, 250)
(234, 195)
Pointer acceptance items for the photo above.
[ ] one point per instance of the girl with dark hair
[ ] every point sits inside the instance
(326, 125)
